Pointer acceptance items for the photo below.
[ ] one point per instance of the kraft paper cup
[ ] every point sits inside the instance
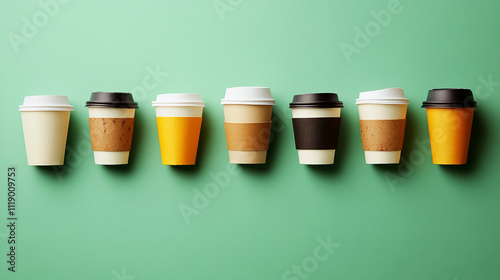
(111, 122)
(45, 125)
(178, 117)
(382, 115)
(449, 115)
(316, 124)
(247, 113)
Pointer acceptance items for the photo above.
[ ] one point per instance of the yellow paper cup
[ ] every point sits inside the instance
(449, 132)
(178, 117)
(449, 115)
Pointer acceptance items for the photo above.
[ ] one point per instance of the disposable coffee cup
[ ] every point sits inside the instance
(178, 117)
(45, 125)
(382, 119)
(449, 115)
(111, 122)
(316, 124)
(247, 114)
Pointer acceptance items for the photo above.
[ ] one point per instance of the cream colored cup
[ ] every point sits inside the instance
(382, 105)
(45, 125)
(248, 106)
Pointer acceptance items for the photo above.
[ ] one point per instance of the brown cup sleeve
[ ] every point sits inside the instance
(111, 134)
(247, 136)
(316, 133)
(382, 135)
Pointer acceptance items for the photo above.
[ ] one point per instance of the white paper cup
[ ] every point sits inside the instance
(45, 125)
(385, 104)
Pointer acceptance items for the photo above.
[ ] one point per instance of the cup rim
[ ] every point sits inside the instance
(387, 100)
(181, 102)
(271, 102)
(446, 105)
(307, 103)
(465, 100)
(110, 103)
(178, 104)
(56, 102)
(246, 100)
(40, 108)
(392, 101)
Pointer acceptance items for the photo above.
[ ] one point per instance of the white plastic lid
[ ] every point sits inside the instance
(179, 99)
(383, 96)
(248, 96)
(45, 103)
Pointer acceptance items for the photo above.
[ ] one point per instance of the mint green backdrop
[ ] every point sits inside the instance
(281, 220)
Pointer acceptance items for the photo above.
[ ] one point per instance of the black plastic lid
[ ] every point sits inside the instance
(450, 98)
(112, 100)
(316, 100)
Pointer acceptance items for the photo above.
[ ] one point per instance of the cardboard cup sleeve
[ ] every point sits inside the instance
(382, 135)
(316, 133)
(111, 134)
(247, 136)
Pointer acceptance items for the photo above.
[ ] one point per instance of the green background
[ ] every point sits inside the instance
(412, 221)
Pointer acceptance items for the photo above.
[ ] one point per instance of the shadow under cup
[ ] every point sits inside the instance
(316, 126)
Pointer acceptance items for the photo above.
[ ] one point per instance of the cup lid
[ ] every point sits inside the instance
(248, 96)
(178, 99)
(383, 96)
(450, 98)
(316, 100)
(112, 100)
(46, 103)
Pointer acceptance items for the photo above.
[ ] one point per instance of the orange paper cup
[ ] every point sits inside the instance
(449, 131)
(178, 117)
(449, 114)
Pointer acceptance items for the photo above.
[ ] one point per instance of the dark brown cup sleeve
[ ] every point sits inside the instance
(247, 136)
(111, 134)
(316, 133)
(382, 135)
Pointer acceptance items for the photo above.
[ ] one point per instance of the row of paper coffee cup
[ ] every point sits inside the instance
(247, 114)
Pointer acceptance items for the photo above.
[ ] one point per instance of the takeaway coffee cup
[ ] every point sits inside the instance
(178, 117)
(449, 115)
(316, 123)
(45, 126)
(382, 119)
(111, 121)
(247, 113)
